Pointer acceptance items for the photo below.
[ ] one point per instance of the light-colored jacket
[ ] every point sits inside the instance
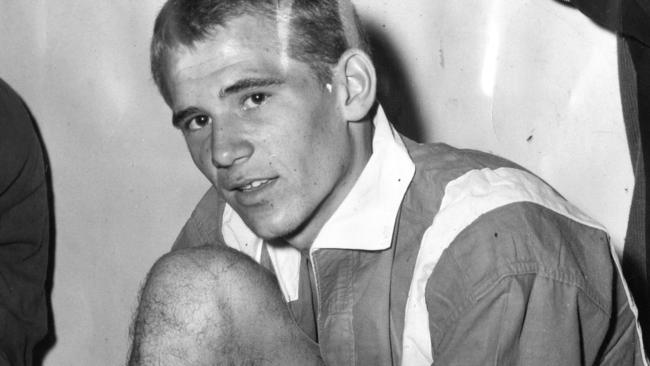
(487, 266)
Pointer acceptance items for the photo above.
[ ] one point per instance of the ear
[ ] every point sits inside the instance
(357, 84)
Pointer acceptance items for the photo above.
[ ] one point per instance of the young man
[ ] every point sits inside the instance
(329, 238)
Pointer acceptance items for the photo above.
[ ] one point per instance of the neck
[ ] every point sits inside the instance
(361, 134)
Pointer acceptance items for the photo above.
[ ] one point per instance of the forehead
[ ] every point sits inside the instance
(243, 40)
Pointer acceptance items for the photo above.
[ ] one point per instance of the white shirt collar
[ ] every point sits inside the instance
(364, 221)
(366, 218)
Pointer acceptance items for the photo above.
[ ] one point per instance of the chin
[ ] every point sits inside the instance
(272, 228)
(286, 224)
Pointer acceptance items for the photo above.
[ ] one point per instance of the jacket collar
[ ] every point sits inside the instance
(366, 218)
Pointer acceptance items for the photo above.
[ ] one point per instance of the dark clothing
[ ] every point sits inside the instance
(24, 233)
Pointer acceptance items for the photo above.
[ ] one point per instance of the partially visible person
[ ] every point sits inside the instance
(24, 232)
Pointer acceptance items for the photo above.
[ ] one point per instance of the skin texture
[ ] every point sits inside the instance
(251, 114)
(215, 306)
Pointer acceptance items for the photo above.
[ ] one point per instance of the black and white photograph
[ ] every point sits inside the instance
(324, 182)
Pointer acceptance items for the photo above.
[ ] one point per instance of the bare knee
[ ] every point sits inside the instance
(216, 272)
(187, 306)
(207, 306)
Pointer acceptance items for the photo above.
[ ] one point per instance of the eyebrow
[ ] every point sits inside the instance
(238, 86)
(180, 116)
(249, 83)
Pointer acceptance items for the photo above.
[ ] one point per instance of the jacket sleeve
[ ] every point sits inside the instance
(532, 319)
(24, 233)
(509, 291)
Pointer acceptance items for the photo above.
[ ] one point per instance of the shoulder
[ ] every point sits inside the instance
(527, 239)
(508, 234)
(438, 164)
(446, 162)
(21, 158)
(16, 129)
(18, 140)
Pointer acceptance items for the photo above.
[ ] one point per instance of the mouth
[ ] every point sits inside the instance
(254, 185)
(252, 192)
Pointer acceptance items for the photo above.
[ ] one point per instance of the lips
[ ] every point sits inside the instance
(252, 192)
(253, 185)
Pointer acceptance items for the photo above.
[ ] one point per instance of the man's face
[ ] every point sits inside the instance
(262, 129)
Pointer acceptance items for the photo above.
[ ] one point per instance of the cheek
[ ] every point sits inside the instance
(201, 153)
(324, 164)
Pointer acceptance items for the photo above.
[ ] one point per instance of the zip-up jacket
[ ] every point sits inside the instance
(448, 257)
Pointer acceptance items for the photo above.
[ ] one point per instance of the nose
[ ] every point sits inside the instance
(229, 146)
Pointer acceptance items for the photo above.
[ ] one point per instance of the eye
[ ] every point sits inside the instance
(254, 100)
(197, 123)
